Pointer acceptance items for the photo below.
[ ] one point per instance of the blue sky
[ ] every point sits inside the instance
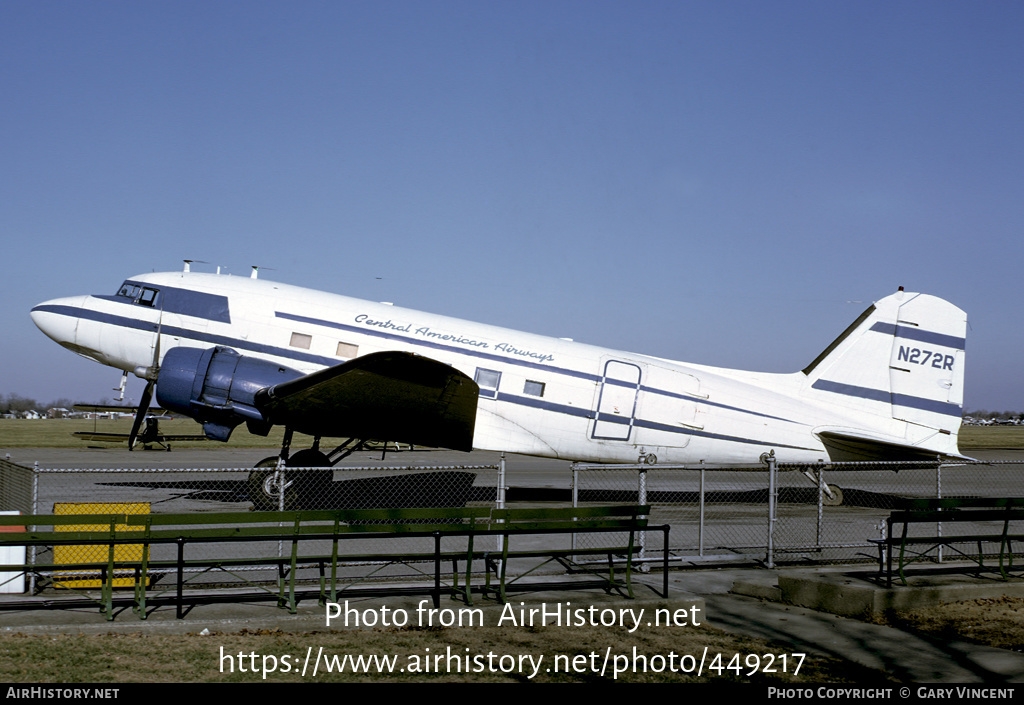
(707, 181)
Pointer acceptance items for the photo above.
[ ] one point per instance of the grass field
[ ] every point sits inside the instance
(991, 437)
(58, 433)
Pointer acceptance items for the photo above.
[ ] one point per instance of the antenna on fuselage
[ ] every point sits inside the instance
(255, 271)
(190, 262)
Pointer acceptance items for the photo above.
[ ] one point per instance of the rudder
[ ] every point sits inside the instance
(901, 361)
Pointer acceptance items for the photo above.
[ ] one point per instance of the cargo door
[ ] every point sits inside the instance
(615, 414)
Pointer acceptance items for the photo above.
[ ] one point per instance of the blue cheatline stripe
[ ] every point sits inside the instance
(639, 423)
(174, 331)
(419, 342)
(933, 405)
(905, 400)
(920, 336)
(512, 361)
(851, 390)
(708, 402)
(187, 302)
(564, 409)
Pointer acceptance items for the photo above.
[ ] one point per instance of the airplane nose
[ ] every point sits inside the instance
(58, 318)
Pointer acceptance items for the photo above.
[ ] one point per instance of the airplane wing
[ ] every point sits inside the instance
(400, 396)
(98, 436)
(106, 407)
(124, 437)
(124, 409)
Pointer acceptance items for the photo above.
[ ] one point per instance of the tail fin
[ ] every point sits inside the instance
(902, 363)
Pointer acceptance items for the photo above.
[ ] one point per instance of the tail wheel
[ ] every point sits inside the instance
(833, 497)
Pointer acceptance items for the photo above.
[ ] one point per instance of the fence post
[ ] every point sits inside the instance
(35, 510)
(642, 499)
(700, 518)
(500, 497)
(279, 478)
(822, 489)
(938, 495)
(772, 469)
(575, 498)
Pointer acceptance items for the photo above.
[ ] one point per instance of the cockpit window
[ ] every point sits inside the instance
(129, 291)
(142, 295)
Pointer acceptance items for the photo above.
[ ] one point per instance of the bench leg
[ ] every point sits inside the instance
(903, 548)
(108, 585)
(629, 575)
(457, 589)
(504, 570)
(629, 565)
(468, 592)
(181, 579)
(488, 567)
(141, 583)
(436, 595)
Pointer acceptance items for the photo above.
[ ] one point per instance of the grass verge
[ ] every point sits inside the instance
(465, 655)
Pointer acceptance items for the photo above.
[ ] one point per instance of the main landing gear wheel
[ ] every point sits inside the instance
(301, 489)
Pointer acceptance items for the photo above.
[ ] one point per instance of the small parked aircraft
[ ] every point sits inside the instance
(148, 435)
(228, 350)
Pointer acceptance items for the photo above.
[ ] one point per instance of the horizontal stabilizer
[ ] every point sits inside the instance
(851, 447)
(395, 396)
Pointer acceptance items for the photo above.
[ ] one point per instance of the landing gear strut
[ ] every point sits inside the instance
(831, 495)
(272, 486)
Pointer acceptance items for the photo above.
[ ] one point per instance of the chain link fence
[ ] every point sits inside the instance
(768, 513)
(36, 490)
(820, 513)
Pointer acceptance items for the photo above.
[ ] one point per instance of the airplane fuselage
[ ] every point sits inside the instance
(538, 395)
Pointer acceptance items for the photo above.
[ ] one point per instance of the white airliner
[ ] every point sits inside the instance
(227, 350)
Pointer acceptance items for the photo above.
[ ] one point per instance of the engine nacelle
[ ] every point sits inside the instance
(216, 387)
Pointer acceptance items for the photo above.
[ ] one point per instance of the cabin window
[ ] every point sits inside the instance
(488, 380)
(347, 350)
(534, 389)
(301, 340)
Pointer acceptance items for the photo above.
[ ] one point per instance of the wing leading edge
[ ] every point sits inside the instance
(394, 396)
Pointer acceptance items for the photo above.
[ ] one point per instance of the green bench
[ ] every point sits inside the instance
(992, 519)
(318, 539)
(294, 529)
(623, 523)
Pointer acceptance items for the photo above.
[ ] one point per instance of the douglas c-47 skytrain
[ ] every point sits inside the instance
(228, 350)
